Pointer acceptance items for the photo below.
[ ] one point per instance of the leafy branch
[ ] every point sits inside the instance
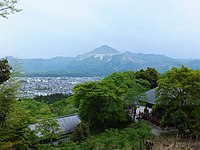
(8, 7)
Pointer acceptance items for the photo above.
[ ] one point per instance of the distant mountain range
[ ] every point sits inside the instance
(101, 61)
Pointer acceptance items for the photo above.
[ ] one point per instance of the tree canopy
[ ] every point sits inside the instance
(150, 74)
(37, 109)
(134, 95)
(126, 80)
(13, 119)
(64, 107)
(6, 93)
(128, 138)
(49, 99)
(99, 104)
(5, 70)
(178, 95)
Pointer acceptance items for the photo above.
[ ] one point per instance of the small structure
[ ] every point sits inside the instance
(151, 97)
(67, 124)
(153, 117)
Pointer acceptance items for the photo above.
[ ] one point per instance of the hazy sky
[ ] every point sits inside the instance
(49, 28)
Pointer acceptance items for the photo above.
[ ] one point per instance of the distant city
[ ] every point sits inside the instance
(33, 86)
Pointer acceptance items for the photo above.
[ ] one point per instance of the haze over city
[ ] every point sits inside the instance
(50, 28)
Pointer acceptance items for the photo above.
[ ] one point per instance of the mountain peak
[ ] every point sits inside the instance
(104, 49)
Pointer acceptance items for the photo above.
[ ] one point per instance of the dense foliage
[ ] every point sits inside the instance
(49, 99)
(17, 115)
(49, 129)
(128, 138)
(36, 109)
(102, 104)
(179, 97)
(127, 82)
(7, 97)
(64, 107)
(133, 89)
(99, 104)
(14, 120)
(5, 70)
(150, 74)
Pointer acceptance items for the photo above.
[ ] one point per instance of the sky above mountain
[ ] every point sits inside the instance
(49, 28)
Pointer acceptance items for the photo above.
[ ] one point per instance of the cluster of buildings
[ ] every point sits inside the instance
(33, 86)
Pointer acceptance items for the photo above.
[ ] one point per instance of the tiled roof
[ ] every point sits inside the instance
(67, 124)
(151, 96)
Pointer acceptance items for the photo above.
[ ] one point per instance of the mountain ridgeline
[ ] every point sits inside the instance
(101, 61)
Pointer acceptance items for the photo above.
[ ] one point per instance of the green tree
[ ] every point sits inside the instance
(125, 139)
(37, 109)
(8, 90)
(99, 104)
(81, 133)
(150, 74)
(64, 107)
(178, 95)
(7, 98)
(128, 138)
(18, 122)
(126, 80)
(50, 99)
(5, 70)
(134, 96)
(180, 119)
(8, 93)
(122, 80)
(48, 128)
(8, 7)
